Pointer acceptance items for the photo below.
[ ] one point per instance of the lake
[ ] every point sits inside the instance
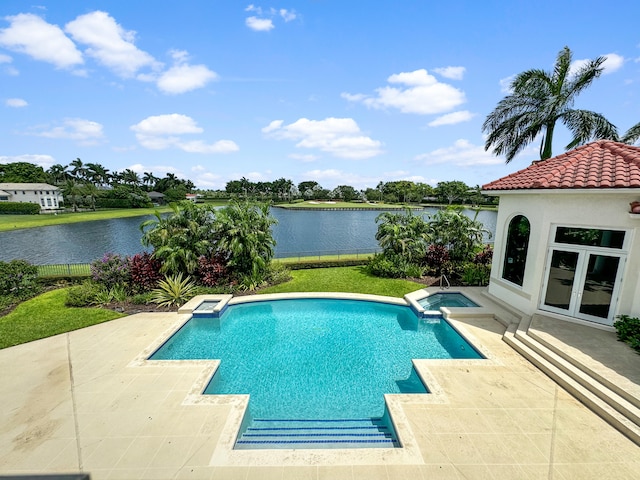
(298, 233)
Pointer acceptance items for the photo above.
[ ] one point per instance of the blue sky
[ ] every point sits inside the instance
(339, 92)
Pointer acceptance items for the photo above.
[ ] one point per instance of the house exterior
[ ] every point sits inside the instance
(156, 197)
(43, 194)
(567, 243)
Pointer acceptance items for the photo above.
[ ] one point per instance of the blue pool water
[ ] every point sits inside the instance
(315, 358)
(446, 299)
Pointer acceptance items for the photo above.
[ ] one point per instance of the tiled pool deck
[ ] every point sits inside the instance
(84, 401)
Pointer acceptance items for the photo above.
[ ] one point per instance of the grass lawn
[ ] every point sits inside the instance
(46, 315)
(343, 279)
(14, 222)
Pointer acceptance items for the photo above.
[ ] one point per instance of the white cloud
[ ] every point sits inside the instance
(44, 161)
(160, 132)
(259, 24)
(613, 63)
(462, 154)
(287, 15)
(452, 118)
(15, 102)
(5, 58)
(340, 137)
(86, 132)
(183, 77)
(109, 43)
(423, 94)
(305, 158)
(31, 35)
(454, 73)
(505, 84)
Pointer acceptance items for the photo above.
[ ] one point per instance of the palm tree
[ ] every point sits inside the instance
(58, 173)
(72, 191)
(243, 232)
(538, 100)
(79, 170)
(130, 177)
(149, 179)
(97, 174)
(632, 135)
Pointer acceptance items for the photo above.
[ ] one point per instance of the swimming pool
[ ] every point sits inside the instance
(446, 299)
(310, 359)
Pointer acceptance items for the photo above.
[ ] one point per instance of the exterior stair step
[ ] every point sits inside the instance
(618, 389)
(516, 337)
(291, 434)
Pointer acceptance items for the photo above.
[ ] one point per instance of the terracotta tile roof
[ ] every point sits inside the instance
(601, 164)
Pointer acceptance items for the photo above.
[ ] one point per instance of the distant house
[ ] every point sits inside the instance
(192, 197)
(156, 197)
(43, 194)
(567, 238)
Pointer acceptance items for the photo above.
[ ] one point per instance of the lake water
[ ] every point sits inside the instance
(298, 233)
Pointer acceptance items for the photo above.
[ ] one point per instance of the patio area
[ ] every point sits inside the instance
(84, 401)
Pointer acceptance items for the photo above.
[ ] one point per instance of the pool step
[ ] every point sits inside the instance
(293, 434)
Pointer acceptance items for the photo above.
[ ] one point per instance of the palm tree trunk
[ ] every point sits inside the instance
(548, 140)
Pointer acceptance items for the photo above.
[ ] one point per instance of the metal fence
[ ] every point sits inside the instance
(84, 269)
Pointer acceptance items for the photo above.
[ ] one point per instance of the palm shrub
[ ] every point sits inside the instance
(173, 290)
(243, 233)
(403, 235)
(178, 240)
(459, 234)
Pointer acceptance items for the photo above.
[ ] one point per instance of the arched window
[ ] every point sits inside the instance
(515, 255)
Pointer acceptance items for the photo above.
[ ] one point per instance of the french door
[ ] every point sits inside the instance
(583, 282)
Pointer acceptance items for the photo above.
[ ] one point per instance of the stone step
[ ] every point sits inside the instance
(619, 421)
(581, 376)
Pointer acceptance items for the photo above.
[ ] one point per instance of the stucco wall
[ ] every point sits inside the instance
(597, 209)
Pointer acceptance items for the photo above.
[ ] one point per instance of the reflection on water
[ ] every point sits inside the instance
(298, 232)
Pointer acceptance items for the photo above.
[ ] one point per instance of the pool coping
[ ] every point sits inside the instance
(409, 452)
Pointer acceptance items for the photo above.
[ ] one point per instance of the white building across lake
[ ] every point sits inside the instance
(43, 194)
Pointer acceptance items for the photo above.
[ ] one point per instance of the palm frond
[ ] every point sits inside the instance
(586, 125)
(632, 135)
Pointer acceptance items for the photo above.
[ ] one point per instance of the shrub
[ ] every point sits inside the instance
(173, 291)
(437, 257)
(212, 270)
(388, 266)
(144, 271)
(484, 257)
(628, 330)
(111, 270)
(18, 279)
(83, 295)
(141, 298)
(476, 274)
(19, 208)
(278, 273)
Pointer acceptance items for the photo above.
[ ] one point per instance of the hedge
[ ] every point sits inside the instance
(19, 208)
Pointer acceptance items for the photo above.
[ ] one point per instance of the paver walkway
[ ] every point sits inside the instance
(76, 402)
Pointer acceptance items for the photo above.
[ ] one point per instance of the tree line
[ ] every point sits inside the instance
(92, 185)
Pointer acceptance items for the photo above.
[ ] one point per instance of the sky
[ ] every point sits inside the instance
(339, 92)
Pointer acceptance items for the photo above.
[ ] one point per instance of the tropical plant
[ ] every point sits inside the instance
(85, 294)
(173, 290)
(178, 240)
(72, 192)
(243, 233)
(145, 272)
(459, 234)
(212, 270)
(628, 330)
(538, 99)
(403, 234)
